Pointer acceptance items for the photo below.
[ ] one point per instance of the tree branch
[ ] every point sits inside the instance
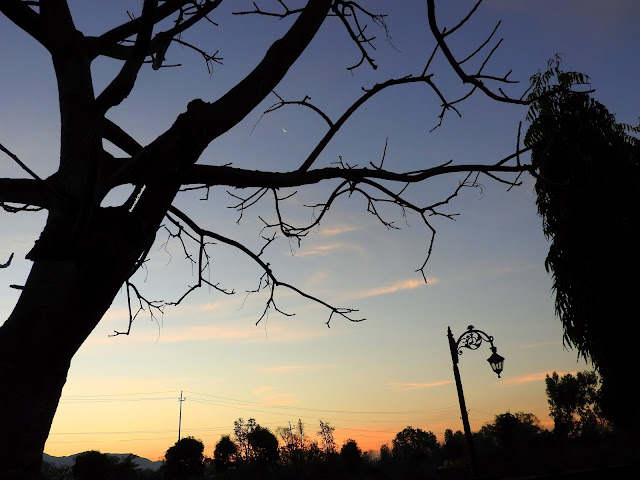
(203, 122)
(25, 191)
(212, 175)
(122, 32)
(475, 80)
(268, 280)
(8, 262)
(20, 162)
(337, 125)
(121, 139)
(110, 43)
(27, 19)
(121, 86)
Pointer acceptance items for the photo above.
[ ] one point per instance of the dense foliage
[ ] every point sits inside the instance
(184, 460)
(574, 404)
(588, 178)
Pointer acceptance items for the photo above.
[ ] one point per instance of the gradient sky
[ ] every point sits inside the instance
(369, 380)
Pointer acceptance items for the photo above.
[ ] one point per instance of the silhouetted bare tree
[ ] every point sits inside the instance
(86, 253)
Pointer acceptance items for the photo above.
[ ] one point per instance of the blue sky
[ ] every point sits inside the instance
(369, 379)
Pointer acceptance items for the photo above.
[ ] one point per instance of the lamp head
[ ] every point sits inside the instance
(496, 361)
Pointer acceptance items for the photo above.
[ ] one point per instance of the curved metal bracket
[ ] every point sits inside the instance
(472, 339)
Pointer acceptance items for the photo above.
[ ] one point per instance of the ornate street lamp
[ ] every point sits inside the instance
(471, 339)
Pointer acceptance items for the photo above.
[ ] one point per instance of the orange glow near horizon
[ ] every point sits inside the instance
(152, 443)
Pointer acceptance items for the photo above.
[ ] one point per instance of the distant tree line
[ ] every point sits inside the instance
(512, 444)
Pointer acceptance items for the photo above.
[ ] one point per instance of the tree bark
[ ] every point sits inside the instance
(60, 305)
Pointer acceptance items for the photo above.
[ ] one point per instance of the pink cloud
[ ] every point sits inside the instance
(531, 377)
(293, 368)
(408, 284)
(408, 386)
(338, 230)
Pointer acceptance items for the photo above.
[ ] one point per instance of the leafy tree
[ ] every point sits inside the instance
(512, 444)
(241, 431)
(263, 445)
(93, 465)
(50, 471)
(588, 177)
(414, 444)
(87, 252)
(185, 459)
(513, 431)
(314, 454)
(126, 468)
(102, 466)
(385, 454)
(454, 446)
(224, 454)
(351, 453)
(289, 443)
(326, 435)
(302, 438)
(574, 403)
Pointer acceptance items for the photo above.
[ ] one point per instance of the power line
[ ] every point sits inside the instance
(306, 413)
(359, 412)
(116, 394)
(239, 404)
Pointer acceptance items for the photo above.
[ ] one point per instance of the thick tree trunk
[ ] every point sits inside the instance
(86, 252)
(60, 305)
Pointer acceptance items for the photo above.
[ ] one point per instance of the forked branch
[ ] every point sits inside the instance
(475, 79)
(268, 280)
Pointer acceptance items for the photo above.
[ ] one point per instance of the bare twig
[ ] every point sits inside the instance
(19, 162)
(268, 279)
(474, 79)
(8, 262)
(154, 307)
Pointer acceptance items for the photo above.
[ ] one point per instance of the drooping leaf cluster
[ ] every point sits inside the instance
(588, 178)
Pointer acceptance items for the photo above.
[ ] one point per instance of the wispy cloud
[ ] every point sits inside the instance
(329, 248)
(269, 396)
(318, 278)
(398, 286)
(320, 249)
(408, 386)
(531, 377)
(246, 333)
(263, 389)
(294, 368)
(338, 230)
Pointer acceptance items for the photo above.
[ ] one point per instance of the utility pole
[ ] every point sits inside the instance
(181, 399)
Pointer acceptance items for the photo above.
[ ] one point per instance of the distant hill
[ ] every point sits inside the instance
(143, 463)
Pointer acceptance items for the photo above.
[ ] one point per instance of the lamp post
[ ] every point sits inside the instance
(471, 339)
